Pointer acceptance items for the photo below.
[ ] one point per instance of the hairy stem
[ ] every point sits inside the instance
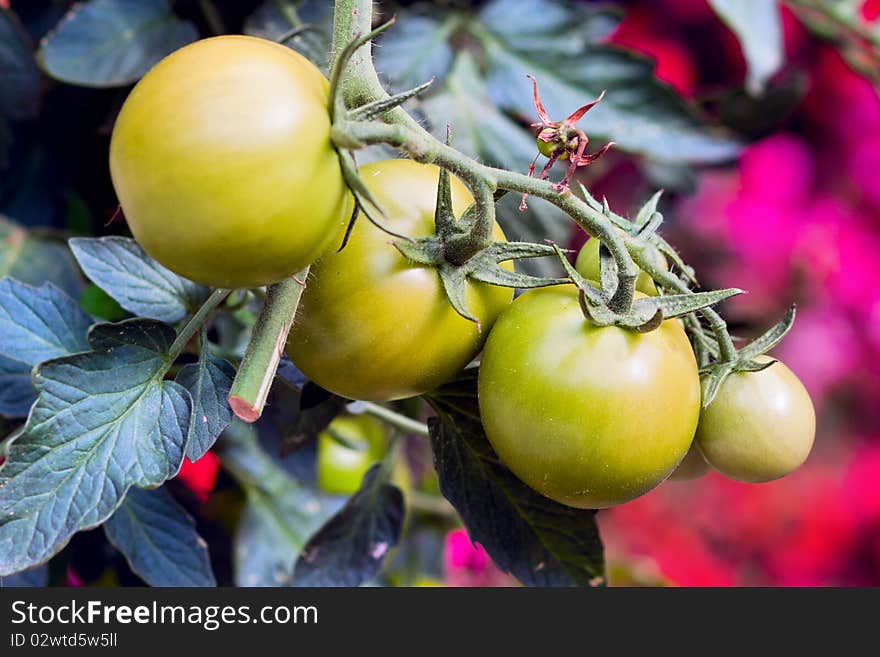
(260, 363)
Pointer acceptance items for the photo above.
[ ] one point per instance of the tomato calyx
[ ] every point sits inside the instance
(646, 313)
(746, 359)
(562, 140)
(483, 266)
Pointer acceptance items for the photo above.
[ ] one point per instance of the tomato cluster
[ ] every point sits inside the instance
(244, 188)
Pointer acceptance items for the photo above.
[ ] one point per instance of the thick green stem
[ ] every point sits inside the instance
(395, 419)
(260, 363)
(195, 323)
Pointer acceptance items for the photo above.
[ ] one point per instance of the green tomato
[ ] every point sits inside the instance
(340, 467)
(373, 325)
(587, 265)
(760, 426)
(222, 162)
(693, 466)
(588, 416)
(546, 149)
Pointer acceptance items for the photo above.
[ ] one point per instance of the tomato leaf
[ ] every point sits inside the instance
(276, 18)
(279, 515)
(351, 548)
(17, 393)
(36, 324)
(540, 542)
(120, 267)
(209, 381)
(417, 48)
(19, 75)
(32, 578)
(104, 421)
(159, 540)
(111, 43)
(758, 26)
(559, 42)
(35, 260)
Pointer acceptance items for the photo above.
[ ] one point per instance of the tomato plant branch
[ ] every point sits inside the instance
(195, 322)
(395, 419)
(359, 85)
(260, 363)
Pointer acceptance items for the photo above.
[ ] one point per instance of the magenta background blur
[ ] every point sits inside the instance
(795, 220)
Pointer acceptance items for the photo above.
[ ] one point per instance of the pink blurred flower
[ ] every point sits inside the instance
(466, 563)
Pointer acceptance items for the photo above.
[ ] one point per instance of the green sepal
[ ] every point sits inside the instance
(715, 377)
(455, 285)
(483, 267)
(379, 107)
(769, 339)
(647, 211)
(678, 305)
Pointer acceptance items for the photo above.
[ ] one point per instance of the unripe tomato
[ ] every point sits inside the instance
(587, 265)
(692, 466)
(373, 325)
(588, 416)
(760, 426)
(341, 468)
(222, 162)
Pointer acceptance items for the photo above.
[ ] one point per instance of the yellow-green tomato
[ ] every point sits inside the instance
(340, 467)
(587, 265)
(588, 416)
(692, 466)
(760, 426)
(371, 324)
(222, 162)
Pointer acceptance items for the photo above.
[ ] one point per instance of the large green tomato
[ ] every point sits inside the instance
(222, 162)
(760, 426)
(588, 416)
(373, 325)
(341, 468)
(587, 265)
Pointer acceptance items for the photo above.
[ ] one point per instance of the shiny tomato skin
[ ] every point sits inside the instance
(374, 326)
(222, 162)
(340, 468)
(588, 416)
(760, 426)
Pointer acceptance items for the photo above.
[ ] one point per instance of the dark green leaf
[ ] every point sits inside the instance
(17, 393)
(36, 324)
(111, 43)
(32, 578)
(639, 113)
(758, 26)
(104, 421)
(275, 18)
(159, 540)
(540, 542)
(209, 382)
(416, 49)
(351, 548)
(39, 323)
(120, 267)
(35, 260)
(279, 516)
(19, 75)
